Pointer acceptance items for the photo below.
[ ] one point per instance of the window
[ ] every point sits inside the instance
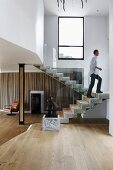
(71, 38)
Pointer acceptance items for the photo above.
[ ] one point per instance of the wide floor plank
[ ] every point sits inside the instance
(74, 147)
(9, 125)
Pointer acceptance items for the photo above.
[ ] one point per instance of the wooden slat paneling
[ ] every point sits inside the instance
(9, 85)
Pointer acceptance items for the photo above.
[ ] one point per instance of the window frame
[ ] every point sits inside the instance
(68, 45)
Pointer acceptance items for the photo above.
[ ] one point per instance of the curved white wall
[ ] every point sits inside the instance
(22, 22)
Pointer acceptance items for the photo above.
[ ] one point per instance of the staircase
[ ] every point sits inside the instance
(83, 106)
(80, 107)
(64, 80)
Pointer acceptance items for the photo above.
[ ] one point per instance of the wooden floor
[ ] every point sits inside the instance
(9, 125)
(74, 147)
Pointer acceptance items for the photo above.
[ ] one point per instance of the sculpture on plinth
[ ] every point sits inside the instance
(52, 107)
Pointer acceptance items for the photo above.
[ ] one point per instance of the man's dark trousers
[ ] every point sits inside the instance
(93, 77)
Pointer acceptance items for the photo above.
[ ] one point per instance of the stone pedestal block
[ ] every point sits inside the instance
(52, 124)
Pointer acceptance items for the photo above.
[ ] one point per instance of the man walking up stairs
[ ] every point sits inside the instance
(94, 75)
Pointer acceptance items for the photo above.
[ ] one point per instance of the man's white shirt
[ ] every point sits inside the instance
(93, 65)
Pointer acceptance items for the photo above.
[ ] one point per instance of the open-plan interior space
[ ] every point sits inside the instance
(56, 85)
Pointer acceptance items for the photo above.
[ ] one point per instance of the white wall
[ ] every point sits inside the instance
(39, 29)
(96, 37)
(50, 38)
(22, 22)
(111, 66)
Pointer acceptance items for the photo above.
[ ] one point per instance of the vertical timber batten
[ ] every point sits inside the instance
(21, 93)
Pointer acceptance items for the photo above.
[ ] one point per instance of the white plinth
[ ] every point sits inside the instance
(49, 123)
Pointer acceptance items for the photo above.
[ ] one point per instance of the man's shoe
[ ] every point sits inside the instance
(90, 97)
(99, 91)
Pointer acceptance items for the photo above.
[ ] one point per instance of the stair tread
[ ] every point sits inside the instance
(102, 94)
(74, 106)
(82, 101)
(65, 78)
(60, 113)
(85, 98)
(67, 111)
(88, 98)
(59, 73)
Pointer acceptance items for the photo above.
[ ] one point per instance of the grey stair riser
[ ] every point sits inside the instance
(69, 115)
(51, 71)
(72, 110)
(103, 98)
(72, 81)
(75, 89)
(84, 106)
(101, 95)
(66, 79)
(64, 120)
(59, 76)
(91, 101)
(76, 111)
(95, 101)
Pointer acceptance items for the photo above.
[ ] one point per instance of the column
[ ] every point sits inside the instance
(21, 93)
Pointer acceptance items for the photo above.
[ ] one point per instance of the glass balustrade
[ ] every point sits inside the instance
(69, 85)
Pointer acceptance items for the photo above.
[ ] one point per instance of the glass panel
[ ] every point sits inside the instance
(71, 31)
(71, 52)
(65, 85)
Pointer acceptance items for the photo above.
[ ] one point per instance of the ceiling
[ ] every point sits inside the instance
(74, 8)
(11, 55)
